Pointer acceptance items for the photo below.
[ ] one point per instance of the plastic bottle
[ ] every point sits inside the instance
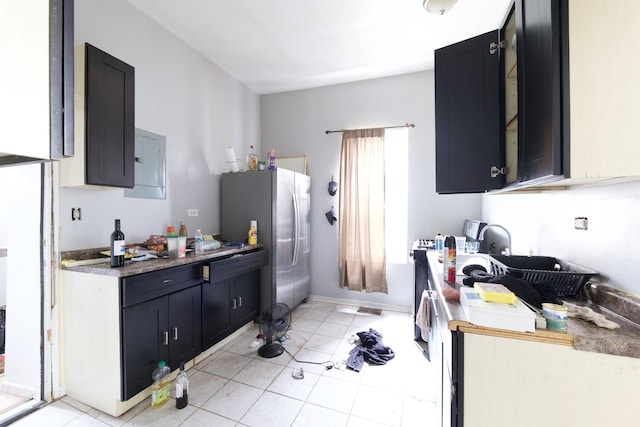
(199, 242)
(252, 159)
(272, 159)
(117, 246)
(439, 243)
(449, 259)
(171, 231)
(253, 233)
(182, 388)
(161, 385)
(183, 229)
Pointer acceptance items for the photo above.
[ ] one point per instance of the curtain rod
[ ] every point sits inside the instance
(406, 125)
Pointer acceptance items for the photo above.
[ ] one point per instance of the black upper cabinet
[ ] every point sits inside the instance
(486, 139)
(109, 110)
(538, 26)
(468, 124)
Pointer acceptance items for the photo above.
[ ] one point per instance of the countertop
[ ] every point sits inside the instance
(132, 268)
(581, 334)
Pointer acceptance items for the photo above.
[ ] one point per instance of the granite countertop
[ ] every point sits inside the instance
(132, 268)
(614, 304)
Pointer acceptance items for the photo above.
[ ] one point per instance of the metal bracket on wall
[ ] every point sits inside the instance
(76, 213)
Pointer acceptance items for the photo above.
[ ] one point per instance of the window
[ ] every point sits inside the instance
(396, 156)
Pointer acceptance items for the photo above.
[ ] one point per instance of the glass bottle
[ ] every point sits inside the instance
(252, 159)
(117, 248)
(183, 229)
(182, 388)
(252, 235)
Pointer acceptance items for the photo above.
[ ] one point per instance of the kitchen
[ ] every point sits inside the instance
(170, 101)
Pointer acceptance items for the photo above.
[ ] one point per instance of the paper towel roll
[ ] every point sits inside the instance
(232, 159)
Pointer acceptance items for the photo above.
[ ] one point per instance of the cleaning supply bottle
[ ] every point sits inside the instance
(272, 159)
(161, 385)
(199, 242)
(252, 159)
(182, 388)
(449, 260)
(253, 233)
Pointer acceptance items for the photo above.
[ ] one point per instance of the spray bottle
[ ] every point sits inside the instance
(449, 259)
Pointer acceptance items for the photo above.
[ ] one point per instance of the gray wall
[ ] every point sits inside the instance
(179, 94)
(295, 123)
(543, 224)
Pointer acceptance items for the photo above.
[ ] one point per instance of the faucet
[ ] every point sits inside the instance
(488, 226)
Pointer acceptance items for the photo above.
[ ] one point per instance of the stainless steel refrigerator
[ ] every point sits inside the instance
(280, 200)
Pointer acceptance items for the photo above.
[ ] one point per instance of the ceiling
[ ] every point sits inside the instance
(282, 45)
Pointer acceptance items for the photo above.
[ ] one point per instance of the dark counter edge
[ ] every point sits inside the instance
(614, 304)
(131, 268)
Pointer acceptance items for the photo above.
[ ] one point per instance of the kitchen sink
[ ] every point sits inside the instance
(464, 259)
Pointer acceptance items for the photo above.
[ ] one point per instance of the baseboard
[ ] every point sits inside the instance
(356, 303)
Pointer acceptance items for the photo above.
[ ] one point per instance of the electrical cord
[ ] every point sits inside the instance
(328, 364)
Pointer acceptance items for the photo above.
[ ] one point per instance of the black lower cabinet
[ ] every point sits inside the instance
(167, 328)
(231, 296)
(227, 305)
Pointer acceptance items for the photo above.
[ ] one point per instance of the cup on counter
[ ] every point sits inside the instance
(472, 247)
(177, 246)
(260, 166)
(460, 243)
(556, 316)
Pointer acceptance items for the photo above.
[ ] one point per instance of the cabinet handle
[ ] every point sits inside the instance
(167, 281)
(165, 337)
(239, 301)
(235, 306)
(496, 171)
(175, 333)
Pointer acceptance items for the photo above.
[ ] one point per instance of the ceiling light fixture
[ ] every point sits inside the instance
(438, 7)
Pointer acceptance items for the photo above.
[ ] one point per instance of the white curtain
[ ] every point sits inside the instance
(361, 254)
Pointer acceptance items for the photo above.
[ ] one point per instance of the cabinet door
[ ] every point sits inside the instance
(469, 137)
(36, 113)
(145, 341)
(540, 90)
(185, 326)
(216, 307)
(247, 296)
(109, 121)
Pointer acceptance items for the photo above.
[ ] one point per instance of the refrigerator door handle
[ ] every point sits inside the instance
(296, 231)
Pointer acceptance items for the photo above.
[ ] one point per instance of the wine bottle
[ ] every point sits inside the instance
(117, 246)
(182, 388)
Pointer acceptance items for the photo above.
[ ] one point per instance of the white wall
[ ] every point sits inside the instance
(295, 123)
(179, 94)
(543, 223)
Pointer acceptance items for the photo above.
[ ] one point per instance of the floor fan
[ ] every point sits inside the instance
(274, 324)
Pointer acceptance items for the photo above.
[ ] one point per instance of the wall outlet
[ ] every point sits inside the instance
(192, 212)
(581, 223)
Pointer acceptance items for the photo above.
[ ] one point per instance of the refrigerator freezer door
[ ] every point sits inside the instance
(285, 232)
(302, 267)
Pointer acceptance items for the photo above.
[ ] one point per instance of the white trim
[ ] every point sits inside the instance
(390, 307)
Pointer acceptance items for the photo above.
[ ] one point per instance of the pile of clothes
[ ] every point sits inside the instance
(370, 349)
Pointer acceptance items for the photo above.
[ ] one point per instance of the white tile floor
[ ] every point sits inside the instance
(236, 387)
